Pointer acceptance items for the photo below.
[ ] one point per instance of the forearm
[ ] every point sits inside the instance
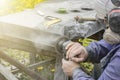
(97, 50)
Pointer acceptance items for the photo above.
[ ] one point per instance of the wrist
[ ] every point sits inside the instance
(86, 54)
(89, 54)
(75, 71)
(78, 73)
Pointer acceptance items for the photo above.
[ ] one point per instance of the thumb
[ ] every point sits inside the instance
(77, 59)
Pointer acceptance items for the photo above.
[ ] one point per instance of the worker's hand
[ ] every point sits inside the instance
(76, 52)
(69, 66)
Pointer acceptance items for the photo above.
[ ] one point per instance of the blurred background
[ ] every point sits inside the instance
(12, 6)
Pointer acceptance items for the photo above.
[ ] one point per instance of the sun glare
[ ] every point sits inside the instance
(2, 3)
(12, 6)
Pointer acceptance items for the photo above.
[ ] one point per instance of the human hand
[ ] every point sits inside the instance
(76, 52)
(69, 66)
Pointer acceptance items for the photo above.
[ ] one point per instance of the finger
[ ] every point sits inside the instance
(69, 45)
(69, 49)
(77, 59)
(72, 48)
(75, 50)
(68, 53)
(75, 53)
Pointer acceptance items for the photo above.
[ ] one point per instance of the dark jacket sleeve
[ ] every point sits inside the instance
(97, 50)
(111, 72)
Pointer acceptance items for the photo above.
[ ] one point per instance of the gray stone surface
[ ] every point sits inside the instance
(32, 19)
(50, 8)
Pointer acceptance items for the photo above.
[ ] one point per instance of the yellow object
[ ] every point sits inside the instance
(40, 68)
(51, 22)
(52, 70)
(86, 41)
(11, 6)
(62, 10)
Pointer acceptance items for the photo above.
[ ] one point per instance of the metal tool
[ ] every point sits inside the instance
(61, 44)
(50, 19)
(81, 19)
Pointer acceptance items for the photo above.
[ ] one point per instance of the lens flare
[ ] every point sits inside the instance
(2, 3)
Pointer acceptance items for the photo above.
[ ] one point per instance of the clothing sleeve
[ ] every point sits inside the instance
(112, 71)
(97, 50)
(78, 74)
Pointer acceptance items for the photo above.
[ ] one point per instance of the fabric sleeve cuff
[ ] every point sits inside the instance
(90, 54)
(79, 72)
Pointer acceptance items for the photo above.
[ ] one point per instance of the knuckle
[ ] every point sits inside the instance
(76, 43)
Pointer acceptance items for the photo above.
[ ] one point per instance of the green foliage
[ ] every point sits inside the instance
(62, 10)
(85, 42)
(21, 56)
(87, 67)
(24, 57)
